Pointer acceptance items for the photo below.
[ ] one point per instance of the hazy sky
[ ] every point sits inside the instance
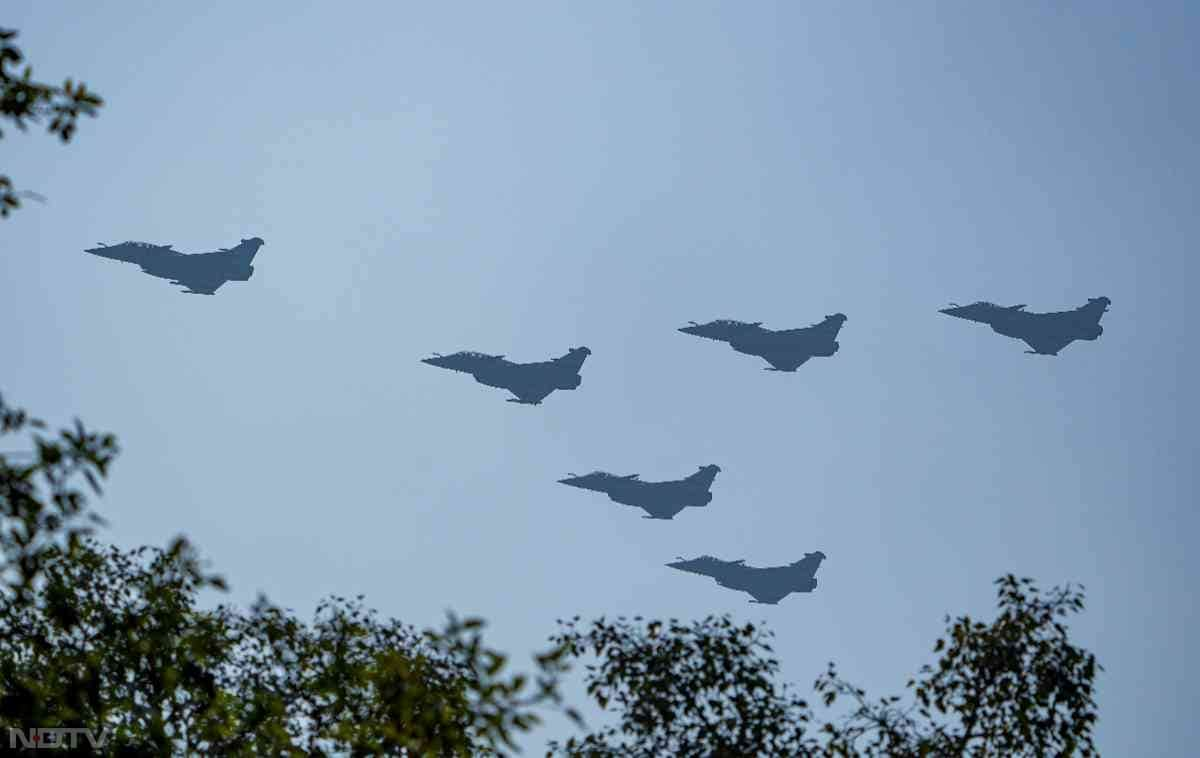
(523, 178)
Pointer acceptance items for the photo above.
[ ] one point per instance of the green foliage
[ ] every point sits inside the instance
(349, 682)
(116, 641)
(110, 641)
(24, 101)
(42, 505)
(1014, 687)
(701, 689)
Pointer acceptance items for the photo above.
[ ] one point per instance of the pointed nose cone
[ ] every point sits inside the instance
(571, 481)
(707, 331)
(104, 252)
(438, 360)
(960, 311)
(691, 565)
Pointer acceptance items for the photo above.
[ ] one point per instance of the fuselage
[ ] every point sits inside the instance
(784, 349)
(661, 500)
(530, 383)
(766, 585)
(1049, 330)
(200, 270)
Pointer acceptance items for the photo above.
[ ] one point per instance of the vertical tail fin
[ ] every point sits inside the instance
(247, 249)
(1098, 305)
(574, 358)
(834, 323)
(810, 562)
(705, 476)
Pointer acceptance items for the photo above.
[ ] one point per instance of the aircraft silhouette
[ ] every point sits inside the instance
(1046, 333)
(662, 500)
(765, 585)
(200, 274)
(529, 382)
(785, 349)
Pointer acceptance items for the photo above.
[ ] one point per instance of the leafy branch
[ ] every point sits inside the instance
(24, 101)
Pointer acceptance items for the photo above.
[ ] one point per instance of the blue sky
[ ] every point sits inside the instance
(527, 178)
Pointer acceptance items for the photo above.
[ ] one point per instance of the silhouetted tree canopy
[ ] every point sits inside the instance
(24, 101)
(1013, 687)
(705, 688)
(96, 637)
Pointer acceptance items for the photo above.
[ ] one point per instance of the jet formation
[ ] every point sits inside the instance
(199, 274)
(1046, 333)
(530, 383)
(662, 500)
(765, 585)
(784, 349)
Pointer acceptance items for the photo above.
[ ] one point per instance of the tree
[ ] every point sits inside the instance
(115, 641)
(24, 101)
(41, 504)
(705, 688)
(1015, 686)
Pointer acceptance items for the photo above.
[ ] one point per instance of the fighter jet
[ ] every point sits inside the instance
(662, 500)
(200, 274)
(529, 382)
(765, 585)
(1046, 333)
(785, 349)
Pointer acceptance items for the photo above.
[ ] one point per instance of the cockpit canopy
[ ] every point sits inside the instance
(474, 355)
(603, 475)
(140, 245)
(712, 560)
(979, 304)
